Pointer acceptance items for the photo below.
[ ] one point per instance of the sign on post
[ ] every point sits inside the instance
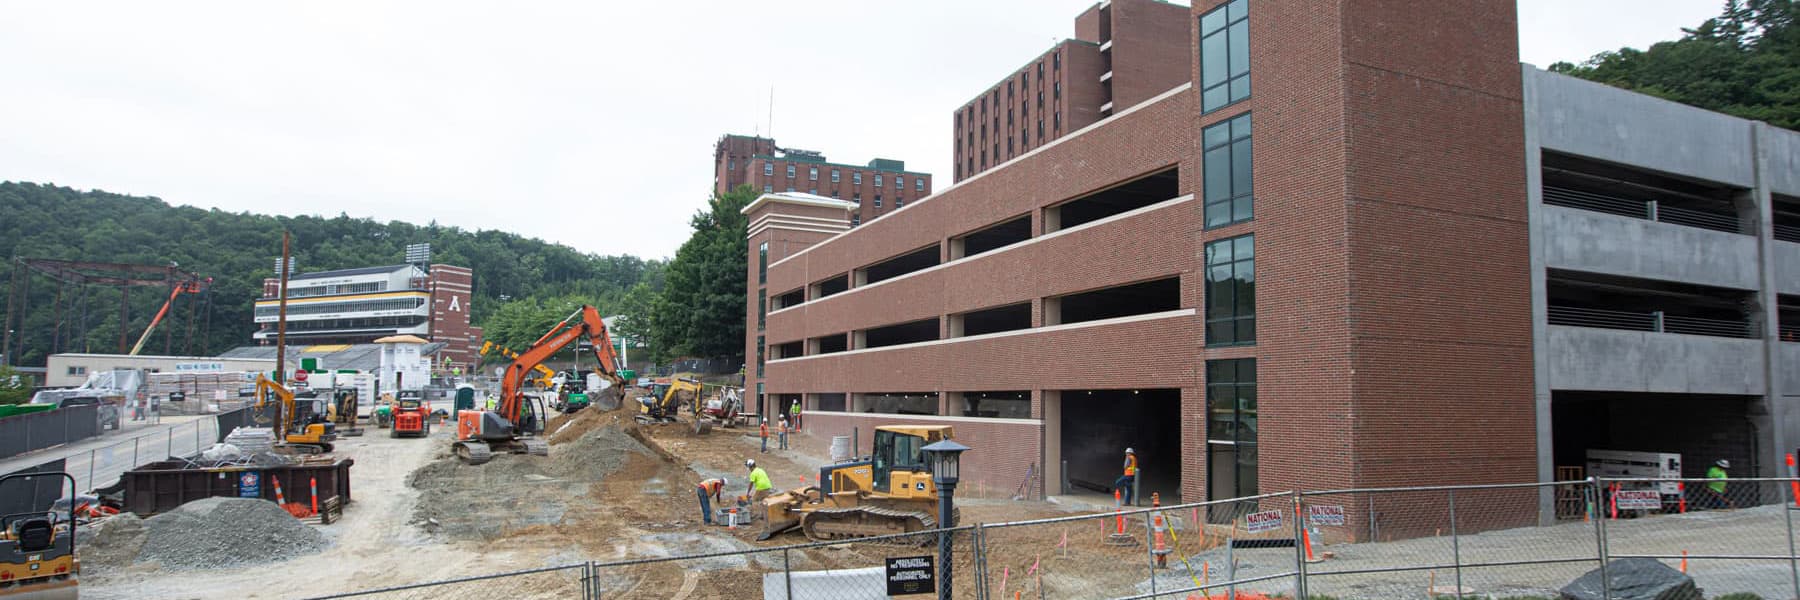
(1258, 522)
(911, 575)
(1638, 499)
(1320, 514)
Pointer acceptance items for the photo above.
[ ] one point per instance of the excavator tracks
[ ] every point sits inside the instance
(535, 447)
(834, 524)
(473, 453)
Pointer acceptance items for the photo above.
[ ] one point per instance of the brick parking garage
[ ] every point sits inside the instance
(1392, 260)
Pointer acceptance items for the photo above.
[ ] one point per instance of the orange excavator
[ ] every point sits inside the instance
(513, 426)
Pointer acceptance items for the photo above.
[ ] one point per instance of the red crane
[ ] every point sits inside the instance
(510, 428)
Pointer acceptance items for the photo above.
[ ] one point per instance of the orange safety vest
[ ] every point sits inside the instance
(765, 430)
(784, 427)
(1130, 465)
(711, 486)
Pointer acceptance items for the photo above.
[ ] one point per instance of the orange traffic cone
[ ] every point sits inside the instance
(1119, 510)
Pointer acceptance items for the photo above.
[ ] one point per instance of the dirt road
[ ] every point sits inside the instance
(373, 546)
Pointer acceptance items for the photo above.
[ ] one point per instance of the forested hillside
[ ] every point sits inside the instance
(1745, 62)
(239, 249)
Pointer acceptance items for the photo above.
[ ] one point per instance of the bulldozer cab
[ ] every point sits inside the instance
(898, 461)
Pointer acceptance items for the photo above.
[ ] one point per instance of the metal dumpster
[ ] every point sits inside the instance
(163, 485)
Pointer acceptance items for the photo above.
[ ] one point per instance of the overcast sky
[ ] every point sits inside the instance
(585, 123)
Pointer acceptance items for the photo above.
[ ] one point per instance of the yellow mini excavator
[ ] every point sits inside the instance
(889, 492)
(300, 432)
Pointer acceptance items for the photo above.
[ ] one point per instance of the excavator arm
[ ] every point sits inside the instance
(266, 387)
(583, 323)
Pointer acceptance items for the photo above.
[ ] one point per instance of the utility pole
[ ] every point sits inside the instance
(281, 315)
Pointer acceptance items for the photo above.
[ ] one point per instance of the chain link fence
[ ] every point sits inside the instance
(1735, 539)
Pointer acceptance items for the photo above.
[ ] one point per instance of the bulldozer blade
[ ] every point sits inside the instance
(772, 528)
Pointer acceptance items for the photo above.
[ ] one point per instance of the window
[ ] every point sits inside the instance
(1040, 100)
(878, 201)
(877, 180)
(1231, 291)
(762, 263)
(1231, 428)
(918, 184)
(82, 370)
(856, 178)
(856, 220)
(768, 188)
(1227, 172)
(762, 309)
(899, 202)
(813, 173)
(790, 189)
(759, 356)
(899, 182)
(1056, 60)
(731, 165)
(1040, 128)
(1025, 137)
(857, 197)
(1025, 79)
(769, 169)
(834, 175)
(790, 171)
(1056, 91)
(1224, 56)
(814, 191)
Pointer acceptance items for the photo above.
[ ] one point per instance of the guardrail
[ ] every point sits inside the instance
(1648, 210)
(1651, 321)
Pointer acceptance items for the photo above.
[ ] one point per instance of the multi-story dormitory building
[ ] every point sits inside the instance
(880, 187)
(1364, 246)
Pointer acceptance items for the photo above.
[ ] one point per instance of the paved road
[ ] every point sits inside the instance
(102, 459)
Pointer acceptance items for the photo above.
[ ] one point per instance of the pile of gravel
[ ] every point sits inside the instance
(110, 544)
(226, 532)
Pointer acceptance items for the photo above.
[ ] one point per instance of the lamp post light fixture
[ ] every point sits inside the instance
(945, 457)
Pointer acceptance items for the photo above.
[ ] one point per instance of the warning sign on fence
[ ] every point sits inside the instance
(1638, 499)
(1258, 522)
(1325, 515)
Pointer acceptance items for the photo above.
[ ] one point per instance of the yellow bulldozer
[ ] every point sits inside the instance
(886, 493)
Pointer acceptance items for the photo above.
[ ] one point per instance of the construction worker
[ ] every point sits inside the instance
(1715, 486)
(759, 487)
(765, 435)
(784, 431)
(794, 413)
(1127, 482)
(708, 491)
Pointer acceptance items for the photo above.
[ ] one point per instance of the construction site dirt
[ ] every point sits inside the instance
(612, 489)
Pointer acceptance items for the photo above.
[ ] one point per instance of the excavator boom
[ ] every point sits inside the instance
(479, 432)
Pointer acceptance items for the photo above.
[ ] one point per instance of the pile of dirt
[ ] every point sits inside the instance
(514, 492)
(203, 534)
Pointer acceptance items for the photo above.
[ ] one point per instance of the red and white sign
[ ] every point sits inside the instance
(1638, 499)
(1258, 522)
(299, 375)
(1320, 514)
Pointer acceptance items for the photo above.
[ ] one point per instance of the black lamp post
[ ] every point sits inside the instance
(944, 457)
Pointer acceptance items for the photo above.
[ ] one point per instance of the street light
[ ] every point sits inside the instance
(944, 457)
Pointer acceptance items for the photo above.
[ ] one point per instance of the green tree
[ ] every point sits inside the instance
(1744, 62)
(700, 312)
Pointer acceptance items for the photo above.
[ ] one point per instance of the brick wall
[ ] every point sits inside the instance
(451, 288)
(1151, 52)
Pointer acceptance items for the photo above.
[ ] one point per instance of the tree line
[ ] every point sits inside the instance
(1744, 62)
(238, 250)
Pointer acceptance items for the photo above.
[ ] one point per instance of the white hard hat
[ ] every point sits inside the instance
(1723, 464)
(1128, 451)
(724, 481)
(750, 464)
